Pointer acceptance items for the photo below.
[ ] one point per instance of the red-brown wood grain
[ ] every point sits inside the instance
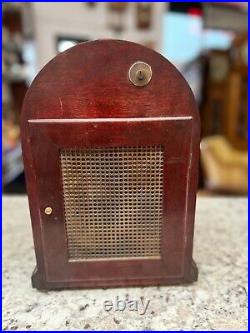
(83, 98)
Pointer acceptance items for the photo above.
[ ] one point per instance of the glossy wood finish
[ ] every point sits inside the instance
(83, 98)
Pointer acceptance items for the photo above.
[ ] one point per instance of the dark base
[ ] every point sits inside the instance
(39, 283)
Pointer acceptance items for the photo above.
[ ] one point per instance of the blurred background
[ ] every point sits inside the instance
(207, 42)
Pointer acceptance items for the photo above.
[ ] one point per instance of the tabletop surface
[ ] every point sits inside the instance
(217, 301)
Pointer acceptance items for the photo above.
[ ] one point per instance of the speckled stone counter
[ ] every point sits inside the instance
(218, 301)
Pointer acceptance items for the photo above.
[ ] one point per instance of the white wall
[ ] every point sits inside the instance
(78, 20)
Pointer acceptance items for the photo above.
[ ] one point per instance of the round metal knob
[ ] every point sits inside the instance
(140, 74)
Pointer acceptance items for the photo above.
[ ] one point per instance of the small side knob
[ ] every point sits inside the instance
(48, 210)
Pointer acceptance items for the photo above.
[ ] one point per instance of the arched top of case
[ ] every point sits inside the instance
(91, 80)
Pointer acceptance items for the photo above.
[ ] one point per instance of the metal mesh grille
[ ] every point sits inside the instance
(113, 201)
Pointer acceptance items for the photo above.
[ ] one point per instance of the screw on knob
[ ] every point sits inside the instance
(140, 75)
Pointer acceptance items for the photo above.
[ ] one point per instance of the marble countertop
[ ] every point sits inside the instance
(218, 301)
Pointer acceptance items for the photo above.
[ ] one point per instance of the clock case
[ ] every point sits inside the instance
(83, 100)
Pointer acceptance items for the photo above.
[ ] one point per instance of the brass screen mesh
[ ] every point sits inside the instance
(113, 201)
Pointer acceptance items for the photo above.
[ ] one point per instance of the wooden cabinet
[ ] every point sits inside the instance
(236, 121)
(111, 161)
(214, 93)
(225, 97)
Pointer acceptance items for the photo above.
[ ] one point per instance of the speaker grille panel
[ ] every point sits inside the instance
(113, 202)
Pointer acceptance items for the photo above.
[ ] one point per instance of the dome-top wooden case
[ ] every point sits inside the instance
(110, 137)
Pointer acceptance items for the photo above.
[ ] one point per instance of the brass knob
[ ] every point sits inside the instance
(140, 74)
(48, 210)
